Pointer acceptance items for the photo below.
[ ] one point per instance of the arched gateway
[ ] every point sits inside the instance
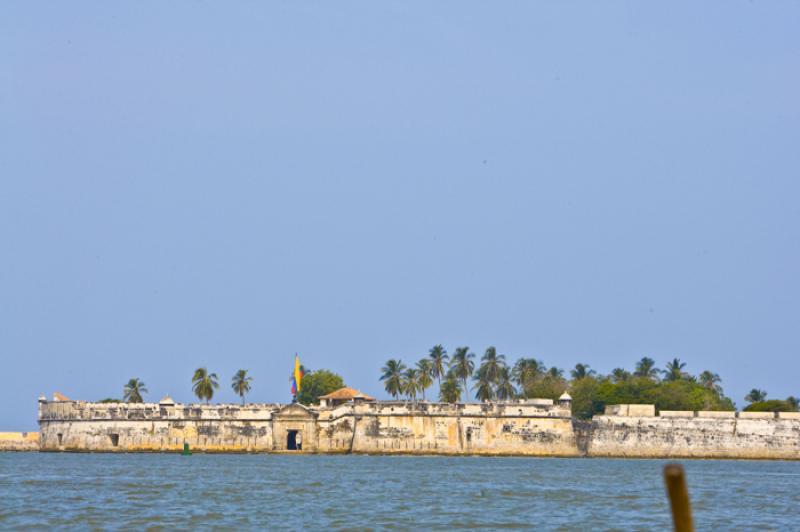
(294, 428)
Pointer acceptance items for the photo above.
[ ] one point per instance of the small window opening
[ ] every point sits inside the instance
(469, 434)
(60, 438)
(115, 440)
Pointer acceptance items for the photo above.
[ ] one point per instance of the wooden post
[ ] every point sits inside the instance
(675, 479)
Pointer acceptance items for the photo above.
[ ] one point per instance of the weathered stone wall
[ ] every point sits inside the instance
(19, 441)
(425, 428)
(79, 426)
(534, 428)
(678, 434)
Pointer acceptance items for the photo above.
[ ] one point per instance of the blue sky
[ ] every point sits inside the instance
(228, 183)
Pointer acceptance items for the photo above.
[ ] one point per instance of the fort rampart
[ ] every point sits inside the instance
(532, 427)
(536, 427)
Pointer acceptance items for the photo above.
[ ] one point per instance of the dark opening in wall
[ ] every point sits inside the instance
(115, 439)
(291, 441)
(60, 438)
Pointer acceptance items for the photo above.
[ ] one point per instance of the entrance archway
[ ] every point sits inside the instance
(291, 440)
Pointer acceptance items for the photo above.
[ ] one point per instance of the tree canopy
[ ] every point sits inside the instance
(317, 383)
(672, 388)
(133, 391)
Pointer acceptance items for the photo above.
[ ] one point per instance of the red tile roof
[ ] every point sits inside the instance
(347, 393)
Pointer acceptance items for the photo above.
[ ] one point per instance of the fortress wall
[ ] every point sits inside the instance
(19, 441)
(532, 427)
(705, 435)
(117, 427)
(529, 428)
(504, 428)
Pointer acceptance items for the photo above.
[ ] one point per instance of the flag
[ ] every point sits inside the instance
(298, 375)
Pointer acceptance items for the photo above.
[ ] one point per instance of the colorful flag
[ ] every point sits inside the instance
(298, 375)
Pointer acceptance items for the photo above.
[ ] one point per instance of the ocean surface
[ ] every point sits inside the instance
(169, 491)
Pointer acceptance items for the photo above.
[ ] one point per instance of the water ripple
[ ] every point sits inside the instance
(161, 492)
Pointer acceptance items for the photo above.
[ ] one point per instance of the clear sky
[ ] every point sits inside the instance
(224, 184)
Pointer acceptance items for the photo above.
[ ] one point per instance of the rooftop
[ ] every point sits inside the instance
(347, 393)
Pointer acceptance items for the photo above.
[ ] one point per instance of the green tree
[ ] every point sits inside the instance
(393, 377)
(204, 384)
(133, 390)
(794, 402)
(425, 375)
(411, 384)
(756, 396)
(491, 363)
(438, 357)
(463, 366)
(241, 383)
(484, 390)
(620, 374)
(773, 405)
(711, 381)
(526, 371)
(450, 390)
(585, 400)
(581, 371)
(315, 384)
(109, 400)
(548, 386)
(505, 388)
(674, 371)
(646, 367)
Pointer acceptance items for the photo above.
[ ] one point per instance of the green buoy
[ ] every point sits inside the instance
(186, 450)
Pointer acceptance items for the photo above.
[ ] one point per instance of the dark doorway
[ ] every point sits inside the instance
(291, 440)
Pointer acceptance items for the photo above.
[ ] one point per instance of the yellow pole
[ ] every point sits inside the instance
(675, 479)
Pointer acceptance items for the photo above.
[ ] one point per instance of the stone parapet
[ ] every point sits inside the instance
(716, 414)
(630, 410)
(677, 413)
(757, 415)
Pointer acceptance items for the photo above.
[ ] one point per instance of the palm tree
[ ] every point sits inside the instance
(411, 383)
(581, 371)
(756, 396)
(505, 389)
(241, 383)
(646, 367)
(491, 363)
(450, 390)
(133, 390)
(204, 384)
(525, 371)
(711, 381)
(463, 366)
(425, 371)
(484, 391)
(620, 375)
(393, 377)
(674, 371)
(438, 357)
(555, 372)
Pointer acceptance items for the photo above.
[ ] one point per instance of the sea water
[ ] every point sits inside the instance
(291, 492)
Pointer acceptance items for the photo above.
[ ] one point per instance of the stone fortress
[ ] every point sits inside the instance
(350, 422)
